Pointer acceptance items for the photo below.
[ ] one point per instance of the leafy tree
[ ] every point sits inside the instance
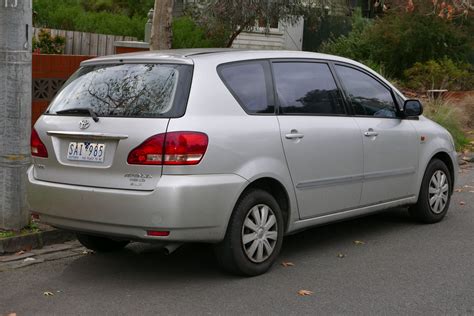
(233, 17)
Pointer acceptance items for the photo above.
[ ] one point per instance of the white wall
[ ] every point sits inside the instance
(259, 40)
(286, 36)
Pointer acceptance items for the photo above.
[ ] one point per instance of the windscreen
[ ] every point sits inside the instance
(126, 90)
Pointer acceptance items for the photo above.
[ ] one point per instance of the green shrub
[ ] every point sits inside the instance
(47, 44)
(442, 74)
(353, 44)
(402, 40)
(186, 34)
(448, 116)
(320, 28)
(398, 41)
(71, 15)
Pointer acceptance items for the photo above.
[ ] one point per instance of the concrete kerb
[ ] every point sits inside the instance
(34, 240)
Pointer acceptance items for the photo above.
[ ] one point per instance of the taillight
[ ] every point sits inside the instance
(173, 148)
(38, 149)
(150, 152)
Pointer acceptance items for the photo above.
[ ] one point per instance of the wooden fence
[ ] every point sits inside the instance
(90, 44)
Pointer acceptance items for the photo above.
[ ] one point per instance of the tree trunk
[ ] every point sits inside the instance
(241, 28)
(233, 37)
(161, 31)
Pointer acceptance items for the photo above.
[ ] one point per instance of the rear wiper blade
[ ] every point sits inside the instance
(80, 111)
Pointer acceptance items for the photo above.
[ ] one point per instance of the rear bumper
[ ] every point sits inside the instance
(194, 208)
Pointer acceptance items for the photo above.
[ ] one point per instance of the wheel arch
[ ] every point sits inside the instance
(446, 159)
(277, 190)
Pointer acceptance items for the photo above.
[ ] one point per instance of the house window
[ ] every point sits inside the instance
(271, 22)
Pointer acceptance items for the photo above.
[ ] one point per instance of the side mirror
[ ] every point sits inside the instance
(412, 108)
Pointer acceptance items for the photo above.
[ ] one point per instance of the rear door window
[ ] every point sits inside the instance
(307, 88)
(250, 84)
(127, 90)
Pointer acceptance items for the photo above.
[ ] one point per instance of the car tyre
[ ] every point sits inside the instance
(254, 235)
(101, 244)
(435, 194)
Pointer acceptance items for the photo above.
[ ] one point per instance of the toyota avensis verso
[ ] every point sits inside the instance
(233, 148)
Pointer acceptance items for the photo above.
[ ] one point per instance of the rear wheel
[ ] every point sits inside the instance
(254, 236)
(101, 244)
(435, 194)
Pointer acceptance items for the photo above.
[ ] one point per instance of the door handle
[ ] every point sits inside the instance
(370, 133)
(294, 135)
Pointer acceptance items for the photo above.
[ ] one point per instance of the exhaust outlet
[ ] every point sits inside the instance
(170, 248)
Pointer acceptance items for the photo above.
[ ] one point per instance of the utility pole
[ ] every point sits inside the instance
(15, 110)
(161, 30)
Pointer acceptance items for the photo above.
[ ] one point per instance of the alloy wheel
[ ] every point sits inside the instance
(438, 192)
(259, 233)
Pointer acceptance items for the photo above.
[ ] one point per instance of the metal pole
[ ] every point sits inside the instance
(15, 110)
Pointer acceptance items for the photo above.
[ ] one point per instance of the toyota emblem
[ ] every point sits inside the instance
(84, 124)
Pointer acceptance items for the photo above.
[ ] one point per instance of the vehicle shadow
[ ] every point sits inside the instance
(147, 263)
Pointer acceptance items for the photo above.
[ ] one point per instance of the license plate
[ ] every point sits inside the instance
(85, 151)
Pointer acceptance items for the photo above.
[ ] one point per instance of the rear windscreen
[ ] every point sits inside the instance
(127, 90)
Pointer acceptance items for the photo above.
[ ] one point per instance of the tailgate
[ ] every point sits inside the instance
(115, 136)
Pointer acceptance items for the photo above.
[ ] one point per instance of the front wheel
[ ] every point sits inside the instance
(254, 236)
(435, 194)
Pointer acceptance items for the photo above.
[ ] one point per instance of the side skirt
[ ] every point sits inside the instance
(347, 214)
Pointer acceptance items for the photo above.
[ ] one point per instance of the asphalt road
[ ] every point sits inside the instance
(402, 268)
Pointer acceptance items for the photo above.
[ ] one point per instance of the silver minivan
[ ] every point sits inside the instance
(233, 148)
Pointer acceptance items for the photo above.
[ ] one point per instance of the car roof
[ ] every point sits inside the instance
(220, 56)
(189, 56)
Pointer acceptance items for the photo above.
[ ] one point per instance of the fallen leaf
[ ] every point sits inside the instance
(29, 259)
(48, 293)
(469, 186)
(287, 264)
(471, 191)
(359, 242)
(462, 203)
(12, 314)
(341, 255)
(20, 252)
(458, 190)
(305, 292)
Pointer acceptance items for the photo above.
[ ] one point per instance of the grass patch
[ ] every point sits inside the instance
(6, 234)
(32, 227)
(447, 115)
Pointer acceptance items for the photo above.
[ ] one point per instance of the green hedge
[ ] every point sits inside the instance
(71, 15)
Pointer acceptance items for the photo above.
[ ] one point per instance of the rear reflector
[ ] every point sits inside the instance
(158, 233)
(38, 149)
(174, 148)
